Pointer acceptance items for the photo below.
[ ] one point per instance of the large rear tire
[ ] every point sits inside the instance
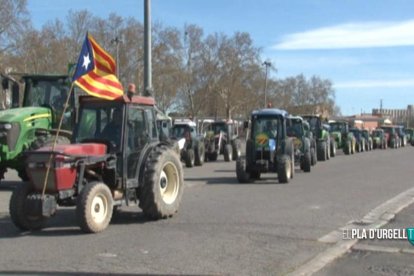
(163, 187)
(94, 207)
(18, 209)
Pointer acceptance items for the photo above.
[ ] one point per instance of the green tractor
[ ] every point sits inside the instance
(35, 123)
(301, 143)
(325, 146)
(268, 147)
(379, 139)
(345, 140)
(410, 133)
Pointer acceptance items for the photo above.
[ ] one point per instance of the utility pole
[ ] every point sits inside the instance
(267, 64)
(147, 50)
(117, 40)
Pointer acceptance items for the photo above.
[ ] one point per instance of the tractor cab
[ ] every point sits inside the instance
(125, 127)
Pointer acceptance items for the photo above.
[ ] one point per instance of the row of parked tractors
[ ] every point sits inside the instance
(205, 140)
(277, 142)
(124, 152)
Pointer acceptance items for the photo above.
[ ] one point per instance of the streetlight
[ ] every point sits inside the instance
(117, 40)
(267, 64)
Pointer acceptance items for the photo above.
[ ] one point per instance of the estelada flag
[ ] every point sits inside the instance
(95, 71)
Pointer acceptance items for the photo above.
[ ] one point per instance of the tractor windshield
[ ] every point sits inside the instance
(180, 131)
(377, 133)
(268, 126)
(100, 121)
(217, 127)
(389, 130)
(314, 122)
(340, 127)
(46, 92)
(295, 129)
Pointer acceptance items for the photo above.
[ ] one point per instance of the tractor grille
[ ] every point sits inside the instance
(10, 136)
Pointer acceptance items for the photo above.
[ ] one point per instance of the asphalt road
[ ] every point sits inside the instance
(222, 227)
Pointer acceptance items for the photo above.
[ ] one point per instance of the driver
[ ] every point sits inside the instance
(112, 130)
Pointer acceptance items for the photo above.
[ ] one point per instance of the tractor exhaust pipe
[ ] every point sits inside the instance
(148, 91)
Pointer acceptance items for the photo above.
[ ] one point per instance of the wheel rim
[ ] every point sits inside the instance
(169, 183)
(99, 208)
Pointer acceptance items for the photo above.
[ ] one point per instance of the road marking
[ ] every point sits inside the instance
(376, 248)
(376, 218)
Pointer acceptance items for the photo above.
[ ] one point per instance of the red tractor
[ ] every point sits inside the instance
(116, 158)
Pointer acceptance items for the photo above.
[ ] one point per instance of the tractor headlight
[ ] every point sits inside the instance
(6, 126)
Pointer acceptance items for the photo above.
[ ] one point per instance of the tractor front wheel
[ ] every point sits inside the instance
(242, 175)
(307, 162)
(200, 155)
(189, 158)
(284, 169)
(18, 209)
(94, 207)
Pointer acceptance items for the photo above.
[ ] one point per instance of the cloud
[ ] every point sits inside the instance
(351, 35)
(376, 84)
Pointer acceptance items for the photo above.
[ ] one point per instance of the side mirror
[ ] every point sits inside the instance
(15, 95)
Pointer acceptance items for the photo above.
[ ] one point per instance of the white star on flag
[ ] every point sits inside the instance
(86, 61)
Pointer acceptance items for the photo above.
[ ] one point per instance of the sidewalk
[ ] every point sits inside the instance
(378, 257)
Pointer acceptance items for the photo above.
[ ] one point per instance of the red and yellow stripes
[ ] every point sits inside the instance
(101, 81)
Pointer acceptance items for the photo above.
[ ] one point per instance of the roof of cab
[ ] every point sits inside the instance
(271, 112)
(135, 99)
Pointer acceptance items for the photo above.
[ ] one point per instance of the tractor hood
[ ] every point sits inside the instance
(87, 149)
(24, 114)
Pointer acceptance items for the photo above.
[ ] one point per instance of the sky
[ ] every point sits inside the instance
(365, 47)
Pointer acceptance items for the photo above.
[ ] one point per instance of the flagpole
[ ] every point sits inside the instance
(55, 140)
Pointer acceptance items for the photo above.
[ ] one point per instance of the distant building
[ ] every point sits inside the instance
(398, 116)
(365, 121)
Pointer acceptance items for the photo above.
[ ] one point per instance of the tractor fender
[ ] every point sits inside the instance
(250, 152)
(143, 158)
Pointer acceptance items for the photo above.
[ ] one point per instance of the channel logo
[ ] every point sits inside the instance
(379, 234)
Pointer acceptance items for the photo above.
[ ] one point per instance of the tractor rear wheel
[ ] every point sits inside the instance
(18, 211)
(94, 207)
(161, 193)
(189, 158)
